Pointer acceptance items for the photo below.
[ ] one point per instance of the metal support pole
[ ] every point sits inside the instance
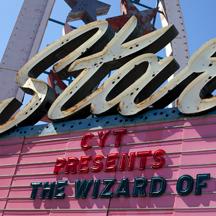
(173, 15)
(24, 43)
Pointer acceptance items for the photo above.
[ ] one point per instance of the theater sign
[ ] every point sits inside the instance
(139, 82)
(112, 148)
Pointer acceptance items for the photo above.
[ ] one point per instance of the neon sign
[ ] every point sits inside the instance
(139, 82)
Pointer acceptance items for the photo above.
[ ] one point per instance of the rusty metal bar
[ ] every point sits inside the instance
(60, 23)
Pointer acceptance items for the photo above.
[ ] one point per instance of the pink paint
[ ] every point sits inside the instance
(190, 146)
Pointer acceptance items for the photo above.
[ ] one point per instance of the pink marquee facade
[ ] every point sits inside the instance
(190, 146)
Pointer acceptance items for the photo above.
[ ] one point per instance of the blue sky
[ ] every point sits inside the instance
(199, 15)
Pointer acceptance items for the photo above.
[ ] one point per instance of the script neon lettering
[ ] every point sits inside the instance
(139, 79)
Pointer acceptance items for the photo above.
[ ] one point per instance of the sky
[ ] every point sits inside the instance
(199, 17)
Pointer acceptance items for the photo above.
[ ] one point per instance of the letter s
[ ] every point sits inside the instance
(69, 47)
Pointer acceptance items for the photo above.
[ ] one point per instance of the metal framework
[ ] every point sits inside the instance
(172, 14)
(95, 123)
(24, 43)
(31, 24)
